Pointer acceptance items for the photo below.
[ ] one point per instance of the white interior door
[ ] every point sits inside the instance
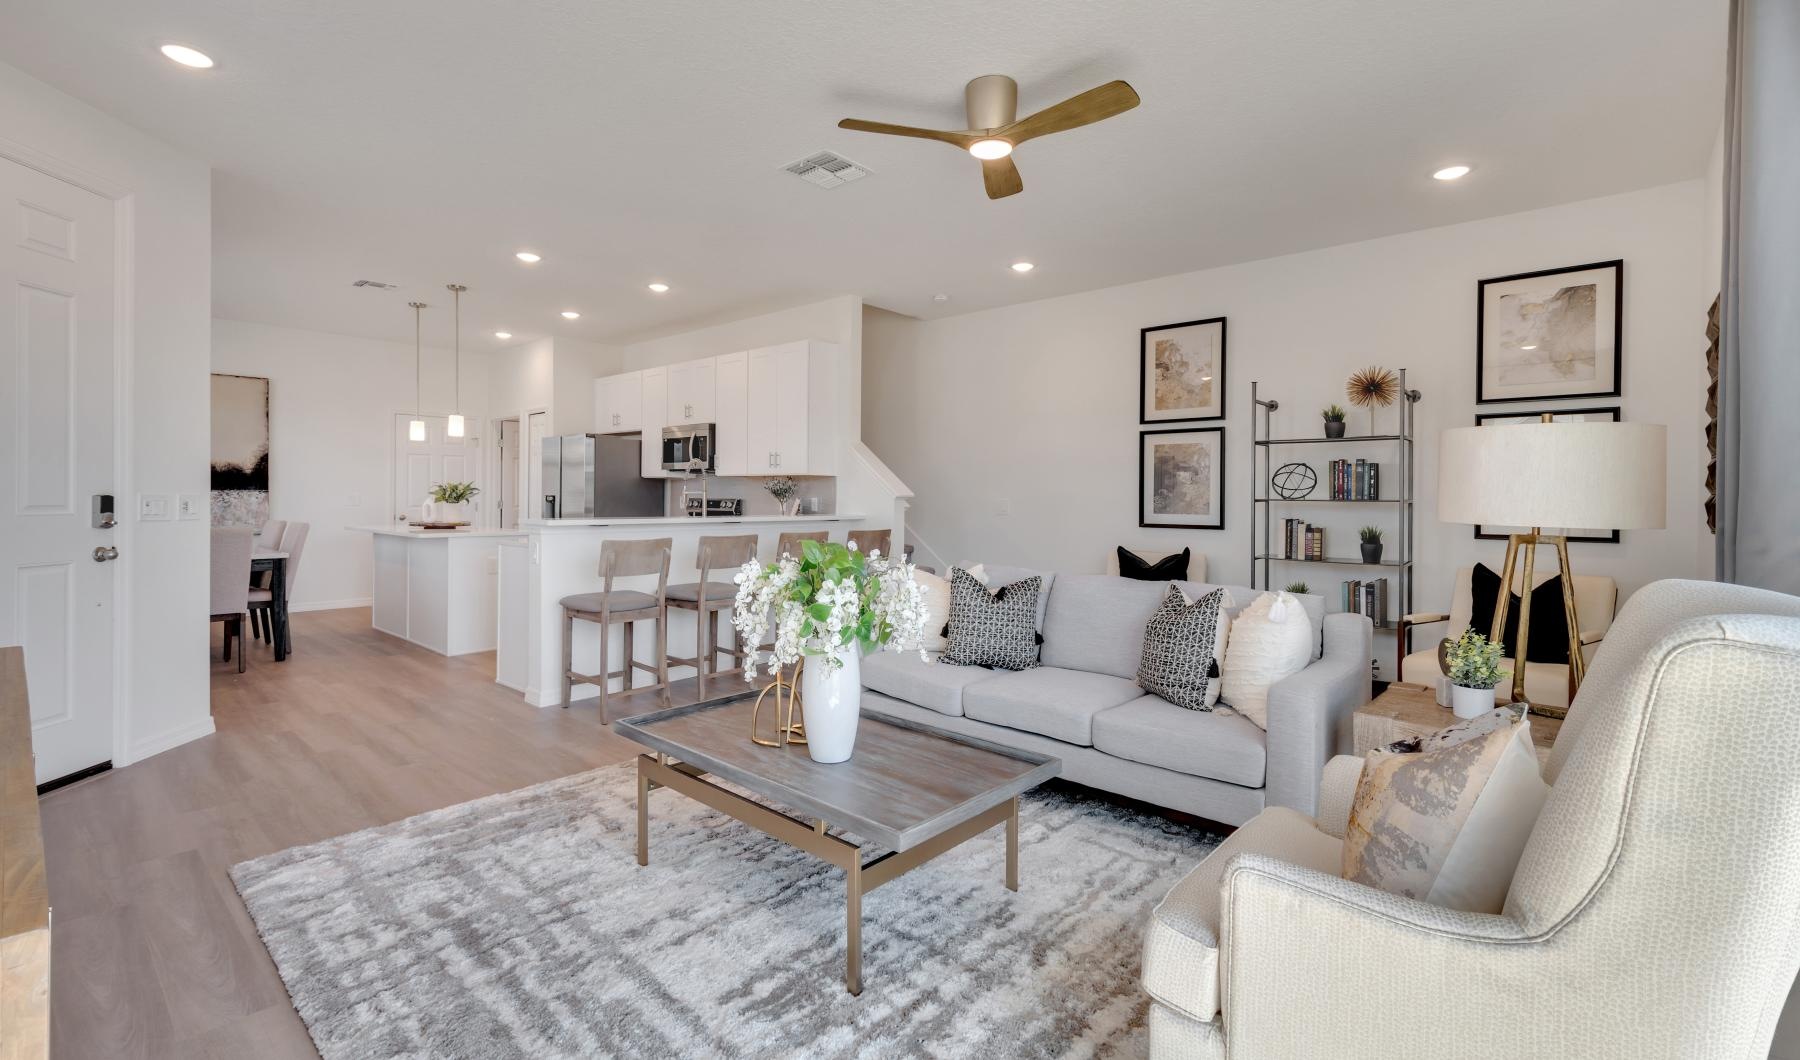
(508, 497)
(420, 466)
(537, 425)
(57, 378)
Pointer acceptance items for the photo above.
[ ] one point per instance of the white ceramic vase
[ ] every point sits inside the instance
(1470, 702)
(831, 703)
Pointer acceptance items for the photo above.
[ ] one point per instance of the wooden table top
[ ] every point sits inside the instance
(903, 784)
(1415, 707)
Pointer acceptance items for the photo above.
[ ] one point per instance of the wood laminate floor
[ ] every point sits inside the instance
(153, 954)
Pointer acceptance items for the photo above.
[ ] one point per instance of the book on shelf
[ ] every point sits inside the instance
(1302, 540)
(1354, 480)
(1368, 598)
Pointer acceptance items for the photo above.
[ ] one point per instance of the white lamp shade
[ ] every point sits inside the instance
(415, 430)
(454, 426)
(1604, 476)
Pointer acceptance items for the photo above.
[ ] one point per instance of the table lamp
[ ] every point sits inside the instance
(1604, 476)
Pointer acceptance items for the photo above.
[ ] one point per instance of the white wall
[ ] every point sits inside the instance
(332, 401)
(167, 213)
(1033, 407)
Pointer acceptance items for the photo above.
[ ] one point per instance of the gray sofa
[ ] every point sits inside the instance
(1083, 705)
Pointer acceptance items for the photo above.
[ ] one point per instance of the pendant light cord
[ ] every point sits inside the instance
(418, 309)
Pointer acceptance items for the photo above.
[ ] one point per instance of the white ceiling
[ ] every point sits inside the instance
(423, 143)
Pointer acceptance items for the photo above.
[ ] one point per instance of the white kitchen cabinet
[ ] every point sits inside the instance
(619, 403)
(692, 393)
(654, 391)
(791, 415)
(731, 389)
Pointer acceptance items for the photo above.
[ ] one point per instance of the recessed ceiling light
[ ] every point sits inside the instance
(187, 56)
(528, 257)
(990, 149)
(1022, 266)
(1451, 173)
(940, 298)
(503, 334)
(1533, 346)
(570, 314)
(660, 288)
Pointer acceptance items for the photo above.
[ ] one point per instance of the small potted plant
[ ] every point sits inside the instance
(1298, 588)
(1473, 665)
(1334, 421)
(1371, 543)
(783, 490)
(450, 502)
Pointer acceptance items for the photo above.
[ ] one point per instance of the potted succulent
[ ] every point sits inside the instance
(1298, 588)
(1334, 421)
(1473, 665)
(450, 502)
(830, 605)
(1371, 543)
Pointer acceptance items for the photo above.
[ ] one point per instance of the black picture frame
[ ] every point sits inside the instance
(1144, 417)
(1219, 468)
(1617, 266)
(1482, 418)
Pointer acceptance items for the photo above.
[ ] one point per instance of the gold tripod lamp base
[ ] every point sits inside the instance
(1525, 545)
(790, 726)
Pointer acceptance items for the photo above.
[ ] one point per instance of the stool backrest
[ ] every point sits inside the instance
(636, 559)
(867, 541)
(231, 547)
(725, 553)
(293, 542)
(788, 544)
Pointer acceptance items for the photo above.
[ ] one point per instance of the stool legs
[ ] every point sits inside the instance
(568, 655)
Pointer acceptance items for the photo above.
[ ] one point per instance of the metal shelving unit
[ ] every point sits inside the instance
(1263, 505)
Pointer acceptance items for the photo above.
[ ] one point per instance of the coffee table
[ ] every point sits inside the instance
(909, 789)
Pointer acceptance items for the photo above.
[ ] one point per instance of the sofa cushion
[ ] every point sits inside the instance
(932, 684)
(1184, 648)
(1219, 744)
(1049, 701)
(1243, 596)
(1096, 623)
(993, 627)
(1181, 945)
(995, 576)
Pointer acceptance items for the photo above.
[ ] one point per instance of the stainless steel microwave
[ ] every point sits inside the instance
(688, 447)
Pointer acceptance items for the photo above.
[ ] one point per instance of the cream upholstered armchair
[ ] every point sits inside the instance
(1655, 912)
(1546, 684)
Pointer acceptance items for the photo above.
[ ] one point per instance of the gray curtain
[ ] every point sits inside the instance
(1759, 370)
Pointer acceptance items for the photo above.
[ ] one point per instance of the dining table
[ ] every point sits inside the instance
(275, 560)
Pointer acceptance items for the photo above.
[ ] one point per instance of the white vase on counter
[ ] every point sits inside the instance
(831, 703)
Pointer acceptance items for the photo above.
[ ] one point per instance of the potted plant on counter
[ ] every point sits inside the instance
(450, 502)
(1334, 421)
(1371, 544)
(829, 606)
(1472, 663)
(783, 490)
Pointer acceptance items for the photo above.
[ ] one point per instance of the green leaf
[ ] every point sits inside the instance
(820, 612)
(811, 552)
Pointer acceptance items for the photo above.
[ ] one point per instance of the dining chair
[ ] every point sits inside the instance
(270, 537)
(708, 599)
(868, 541)
(262, 601)
(231, 548)
(620, 559)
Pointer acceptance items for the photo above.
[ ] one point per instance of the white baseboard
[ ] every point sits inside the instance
(169, 741)
(331, 605)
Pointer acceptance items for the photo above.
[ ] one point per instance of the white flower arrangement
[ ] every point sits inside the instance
(828, 598)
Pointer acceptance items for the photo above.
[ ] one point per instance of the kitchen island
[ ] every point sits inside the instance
(438, 588)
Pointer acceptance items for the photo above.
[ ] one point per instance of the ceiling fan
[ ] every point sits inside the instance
(995, 127)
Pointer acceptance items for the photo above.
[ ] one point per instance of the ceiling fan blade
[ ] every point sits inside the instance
(1114, 97)
(959, 139)
(1001, 177)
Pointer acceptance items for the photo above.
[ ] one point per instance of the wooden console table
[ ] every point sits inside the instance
(24, 891)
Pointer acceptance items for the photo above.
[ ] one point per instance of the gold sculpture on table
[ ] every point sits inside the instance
(790, 727)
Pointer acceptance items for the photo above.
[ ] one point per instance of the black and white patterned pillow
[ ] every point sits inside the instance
(1182, 643)
(997, 628)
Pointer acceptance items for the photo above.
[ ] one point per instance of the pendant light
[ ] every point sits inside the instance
(455, 427)
(416, 429)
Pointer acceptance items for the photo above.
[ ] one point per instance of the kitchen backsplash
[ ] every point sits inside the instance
(816, 494)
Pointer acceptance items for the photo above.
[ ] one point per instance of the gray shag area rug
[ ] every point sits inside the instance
(521, 925)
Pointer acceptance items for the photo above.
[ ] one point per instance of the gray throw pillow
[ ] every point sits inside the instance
(1180, 661)
(997, 629)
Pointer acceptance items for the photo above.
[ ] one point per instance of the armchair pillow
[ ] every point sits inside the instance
(1444, 818)
(1184, 649)
(1171, 568)
(998, 628)
(1549, 623)
(1270, 640)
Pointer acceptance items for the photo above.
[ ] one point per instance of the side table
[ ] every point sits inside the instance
(1411, 710)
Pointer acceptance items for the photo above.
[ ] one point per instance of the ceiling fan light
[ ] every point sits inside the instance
(990, 149)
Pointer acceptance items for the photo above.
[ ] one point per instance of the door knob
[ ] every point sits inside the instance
(103, 553)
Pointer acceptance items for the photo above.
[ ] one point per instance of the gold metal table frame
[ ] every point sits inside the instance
(860, 877)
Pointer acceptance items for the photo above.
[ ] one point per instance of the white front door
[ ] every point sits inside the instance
(57, 380)
(421, 466)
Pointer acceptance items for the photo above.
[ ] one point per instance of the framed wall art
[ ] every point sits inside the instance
(240, 450)
(1181, 478)
(1181, 372)
(1603, 414)
(1551, 334)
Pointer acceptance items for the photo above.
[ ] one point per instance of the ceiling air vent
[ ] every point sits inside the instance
(827, 170)
(377, 284)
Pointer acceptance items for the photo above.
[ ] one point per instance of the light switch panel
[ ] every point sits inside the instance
(153, 507)
(191, 506)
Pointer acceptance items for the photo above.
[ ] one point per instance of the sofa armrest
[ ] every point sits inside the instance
(1309, 713)
(1337, 790)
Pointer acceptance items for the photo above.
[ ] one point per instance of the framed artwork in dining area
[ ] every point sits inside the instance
(1601, 414)
(1181, 475)
(1181, 371)
(1551, 334)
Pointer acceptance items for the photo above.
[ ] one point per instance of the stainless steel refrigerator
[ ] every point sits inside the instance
(588, 476)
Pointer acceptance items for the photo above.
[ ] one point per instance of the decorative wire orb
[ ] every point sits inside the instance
(1292, 482)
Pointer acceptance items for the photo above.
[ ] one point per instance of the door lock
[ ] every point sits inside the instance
(103, 553)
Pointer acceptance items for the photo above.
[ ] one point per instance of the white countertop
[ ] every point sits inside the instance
(401, 530)
(541, 525)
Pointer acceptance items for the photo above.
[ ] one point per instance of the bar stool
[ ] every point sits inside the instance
(788, 544)
(867, 541)
(708, 599)
(621, 559)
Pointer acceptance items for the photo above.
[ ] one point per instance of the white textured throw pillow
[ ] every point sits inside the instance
(935, 592)
(1270, 640)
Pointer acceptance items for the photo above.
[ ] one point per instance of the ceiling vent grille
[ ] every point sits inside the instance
(377, 284)
(827, 170)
